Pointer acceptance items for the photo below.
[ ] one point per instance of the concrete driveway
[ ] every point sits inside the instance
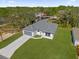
(3, 57)
(9, 50)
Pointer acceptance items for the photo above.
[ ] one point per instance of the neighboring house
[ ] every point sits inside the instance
(52, 17)
(40, 14)
(75, 36)
(43, 28)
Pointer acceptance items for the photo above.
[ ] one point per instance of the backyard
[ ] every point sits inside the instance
(60, 47)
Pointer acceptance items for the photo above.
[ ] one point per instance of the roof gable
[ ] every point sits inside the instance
(43, 25)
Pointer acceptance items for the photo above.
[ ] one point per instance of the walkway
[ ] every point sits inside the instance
(11, 48)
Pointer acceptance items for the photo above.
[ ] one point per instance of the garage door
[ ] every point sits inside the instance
(28, 33)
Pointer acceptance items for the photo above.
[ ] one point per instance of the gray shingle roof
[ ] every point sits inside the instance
(43, 26)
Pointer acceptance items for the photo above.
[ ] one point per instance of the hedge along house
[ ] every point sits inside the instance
(43, 28)
(75, 35)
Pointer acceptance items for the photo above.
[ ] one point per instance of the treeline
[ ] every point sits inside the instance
(19, 17)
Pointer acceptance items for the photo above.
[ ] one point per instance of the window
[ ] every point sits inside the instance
(47, 34)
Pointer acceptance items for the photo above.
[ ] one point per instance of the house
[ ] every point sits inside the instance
(75, 36)
(39, 16)
(52, 17)
(43, 28)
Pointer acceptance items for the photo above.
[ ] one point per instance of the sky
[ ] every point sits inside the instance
(36, 3)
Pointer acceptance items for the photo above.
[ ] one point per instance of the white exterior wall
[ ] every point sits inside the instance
(43, 35)
(23, 32)
(33, 33)
(76, 42)
(40, 33)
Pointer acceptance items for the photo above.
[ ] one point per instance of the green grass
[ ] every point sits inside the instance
(60, 47)
(10, 39)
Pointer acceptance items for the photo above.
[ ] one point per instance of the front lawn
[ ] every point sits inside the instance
(10, 39)
(60, 47)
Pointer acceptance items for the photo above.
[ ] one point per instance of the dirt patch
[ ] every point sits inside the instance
(5, 36)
